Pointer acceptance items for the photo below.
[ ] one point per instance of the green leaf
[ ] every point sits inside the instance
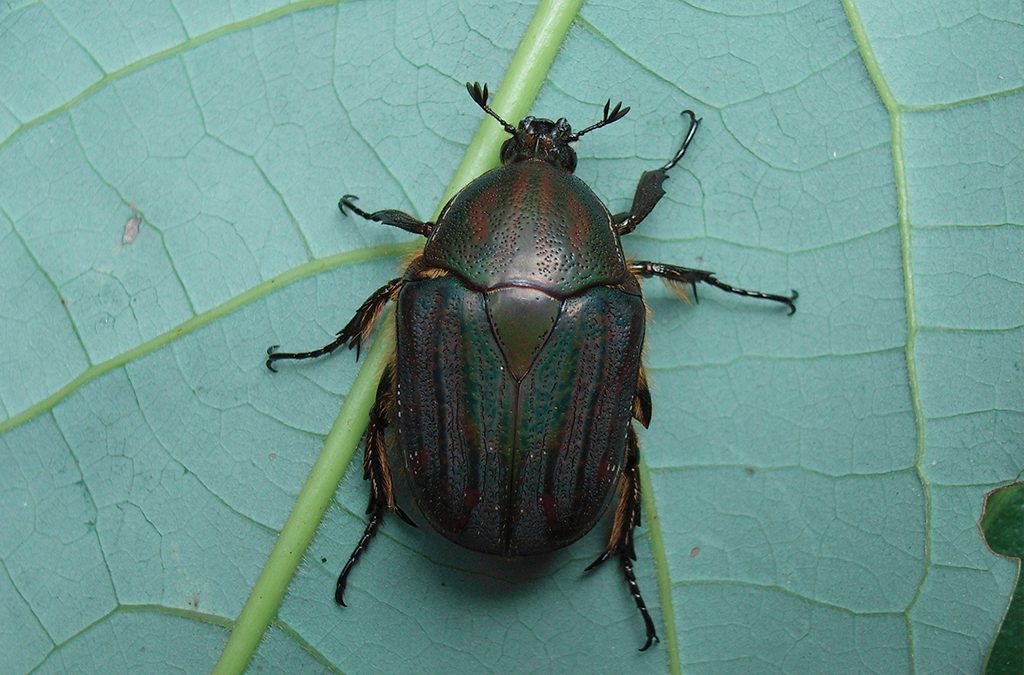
(814, 482)
(1003, 526)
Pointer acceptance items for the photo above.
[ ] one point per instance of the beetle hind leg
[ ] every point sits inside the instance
(620, 543)
(377, 470)
(354, 332)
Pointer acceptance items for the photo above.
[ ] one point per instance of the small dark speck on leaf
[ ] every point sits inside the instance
(695, 551)
(63, 301)
(323, 559)
(749, 470)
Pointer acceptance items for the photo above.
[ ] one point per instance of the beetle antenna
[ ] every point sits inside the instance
(479, 96)
(614, 115)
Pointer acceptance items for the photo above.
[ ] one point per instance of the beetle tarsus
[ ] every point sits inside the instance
(620, 543)
(634, 590)
(270, 361)
(393, 217)
(626, 558)
(354, 332)
(685, 275)
(694, 123)
(364, 541)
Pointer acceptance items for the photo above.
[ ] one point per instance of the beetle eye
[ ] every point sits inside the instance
(562, 125)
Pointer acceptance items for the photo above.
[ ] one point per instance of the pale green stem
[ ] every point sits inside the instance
(650, 513)
(310, 506)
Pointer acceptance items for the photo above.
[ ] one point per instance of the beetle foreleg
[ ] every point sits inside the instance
(620, 543)
(391, 217)
(649, 191)
(377, 470)
(354, 332)
(685, 275)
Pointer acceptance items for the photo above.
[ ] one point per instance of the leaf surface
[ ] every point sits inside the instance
(814, 482)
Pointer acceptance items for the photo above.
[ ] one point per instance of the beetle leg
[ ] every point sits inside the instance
(620, 543)
(377, 470)
(391, 217)
(649, 190)
(354, 332)
(642, 408)
(685, 275)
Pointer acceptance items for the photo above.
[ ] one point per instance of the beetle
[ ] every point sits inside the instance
(517, 374)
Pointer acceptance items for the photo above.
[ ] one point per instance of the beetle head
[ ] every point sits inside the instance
(538, 138)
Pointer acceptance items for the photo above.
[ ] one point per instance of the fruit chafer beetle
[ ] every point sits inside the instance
(517, 373)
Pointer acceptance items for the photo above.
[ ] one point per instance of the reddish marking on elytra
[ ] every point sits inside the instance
(548, 504)
(471, 499)
(602, 468)
(418, 461)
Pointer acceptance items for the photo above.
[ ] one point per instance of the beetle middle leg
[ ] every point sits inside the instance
(377, 470)
(686, 275)
(627, 517)
(649, 191)
(354, 332)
